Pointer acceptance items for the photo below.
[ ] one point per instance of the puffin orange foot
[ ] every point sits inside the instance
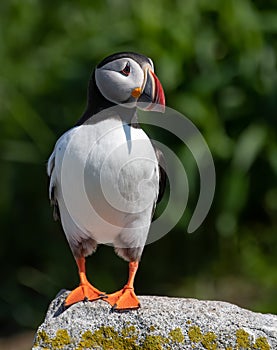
(84, 292)
(124, 299)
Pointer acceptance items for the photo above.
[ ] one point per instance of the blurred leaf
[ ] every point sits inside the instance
(20, 151)
(248, 146)
(30, 121)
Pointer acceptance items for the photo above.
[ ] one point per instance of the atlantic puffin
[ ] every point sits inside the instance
(105, 174)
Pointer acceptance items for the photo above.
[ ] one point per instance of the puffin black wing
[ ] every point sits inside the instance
(52, 187)
(54, 203)
(162, 172)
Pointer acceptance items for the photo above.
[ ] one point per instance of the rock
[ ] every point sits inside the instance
(161, 323)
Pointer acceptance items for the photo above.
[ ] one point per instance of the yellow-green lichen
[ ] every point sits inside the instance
(41, 337)
(129, 331)
(154, 342)
(261, 344)
(107, 338)
(195, 334)
(176, 335)
(208, 340)
(86, 340)
(243, 340)
(59, 342)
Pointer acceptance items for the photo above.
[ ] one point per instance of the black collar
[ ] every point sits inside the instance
(96, 103)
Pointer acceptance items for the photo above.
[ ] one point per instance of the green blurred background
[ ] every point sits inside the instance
(217, 63)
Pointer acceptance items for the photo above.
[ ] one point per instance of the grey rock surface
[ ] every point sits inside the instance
(161, 323)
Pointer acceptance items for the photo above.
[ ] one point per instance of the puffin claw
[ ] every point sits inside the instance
(104, 296)
(114, 307)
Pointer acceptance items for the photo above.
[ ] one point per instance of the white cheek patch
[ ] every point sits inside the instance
(115, 86)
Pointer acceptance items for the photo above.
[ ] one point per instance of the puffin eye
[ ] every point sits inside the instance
(126, 70)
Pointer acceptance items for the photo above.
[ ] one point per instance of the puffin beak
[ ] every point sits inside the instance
(152, 94)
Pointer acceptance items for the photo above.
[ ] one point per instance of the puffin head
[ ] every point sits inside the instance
(126, 79)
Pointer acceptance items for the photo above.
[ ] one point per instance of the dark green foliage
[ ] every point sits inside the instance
(217, 63)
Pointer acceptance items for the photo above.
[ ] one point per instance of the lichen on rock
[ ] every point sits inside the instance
(161, 323)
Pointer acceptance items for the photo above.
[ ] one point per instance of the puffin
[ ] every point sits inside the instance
(105, 174)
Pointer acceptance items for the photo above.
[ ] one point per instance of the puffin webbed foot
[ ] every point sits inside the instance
(123, 300)
(85, 292)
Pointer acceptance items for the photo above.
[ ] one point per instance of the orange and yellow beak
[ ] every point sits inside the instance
(151, 95)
